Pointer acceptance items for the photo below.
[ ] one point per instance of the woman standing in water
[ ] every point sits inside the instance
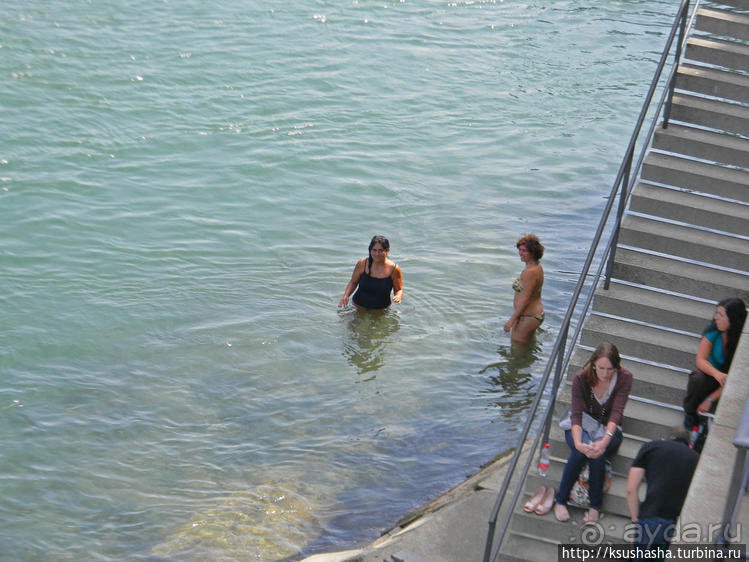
(374, 278)
(529, 312)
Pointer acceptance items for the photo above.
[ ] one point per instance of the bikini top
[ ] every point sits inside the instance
(516, 286)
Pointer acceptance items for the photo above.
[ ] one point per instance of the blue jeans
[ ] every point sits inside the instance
(597, 469)
(653, 534)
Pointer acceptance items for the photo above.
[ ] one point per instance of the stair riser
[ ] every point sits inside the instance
(719, 57)
(655, 172)
(683, 248)
(689, 322)
(643, 426)
(721, 27)
(688, 214)
(522, 549)
(620, 463)
(738, 4)
(711, 87)
(642, 350)
(565, 533)
(686, 285)
(612, 503)
(711, 119)
(702, 150)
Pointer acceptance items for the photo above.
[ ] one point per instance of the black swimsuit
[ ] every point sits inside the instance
(374, 292)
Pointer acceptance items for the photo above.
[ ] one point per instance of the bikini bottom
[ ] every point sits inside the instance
(537, 317)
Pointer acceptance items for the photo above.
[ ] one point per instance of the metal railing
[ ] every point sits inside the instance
(564, 345)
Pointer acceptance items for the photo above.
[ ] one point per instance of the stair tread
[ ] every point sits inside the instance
(701, 177)
(679, 204)
(685, 241)
(703, 281)
(702, 136)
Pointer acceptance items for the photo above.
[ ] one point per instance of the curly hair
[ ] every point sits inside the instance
(533, 244)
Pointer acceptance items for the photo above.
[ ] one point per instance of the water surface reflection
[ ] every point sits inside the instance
(366, 337)
(511, 379)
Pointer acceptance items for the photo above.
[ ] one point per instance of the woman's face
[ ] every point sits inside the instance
(378, 253)
(604, 369)
(524, 254)
(721, 319)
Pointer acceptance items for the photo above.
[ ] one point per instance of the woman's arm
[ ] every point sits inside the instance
(530, 279)
(711, 398)
(353, 282)
(703, 362)
(397, 277)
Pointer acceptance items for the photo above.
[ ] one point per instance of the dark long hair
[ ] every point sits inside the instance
(736, 312)
(607, 350)
(376, 239)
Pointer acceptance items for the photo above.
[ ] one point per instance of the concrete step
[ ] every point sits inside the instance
(692, 208)
(615, 501)
(621, 462)
(738, 4)
(570, 532)
(654, 307)
(641, 341)
(684, 241)
(702, 177)
(655, 382)
(705, 145)
(642, 420)
(707, 112)
(719, 52)
(664, 272)
(713, 82)
(726, 23)
(527, 548)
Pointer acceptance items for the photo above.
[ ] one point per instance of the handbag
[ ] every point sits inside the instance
(595, 429)
(580, 492)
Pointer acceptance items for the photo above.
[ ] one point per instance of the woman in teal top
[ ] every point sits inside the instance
(714, 358)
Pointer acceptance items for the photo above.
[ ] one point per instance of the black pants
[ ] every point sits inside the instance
(698, 388)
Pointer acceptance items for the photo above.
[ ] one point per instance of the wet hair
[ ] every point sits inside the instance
(607, 350)
(533, 244)
(376, 239)
(736, 312)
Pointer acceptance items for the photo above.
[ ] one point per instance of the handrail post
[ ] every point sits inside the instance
(677, 59)
(623, 193)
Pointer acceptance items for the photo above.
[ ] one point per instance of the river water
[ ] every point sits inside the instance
(185, 187)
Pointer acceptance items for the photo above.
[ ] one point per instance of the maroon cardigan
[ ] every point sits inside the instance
(582, 399)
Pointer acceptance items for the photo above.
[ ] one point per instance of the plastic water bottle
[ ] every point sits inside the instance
(543, 461)
(693, 436)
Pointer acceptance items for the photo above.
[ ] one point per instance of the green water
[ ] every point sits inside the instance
(184, 190)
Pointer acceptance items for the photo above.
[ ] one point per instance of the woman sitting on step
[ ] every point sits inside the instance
(714, 358)
(599, 391)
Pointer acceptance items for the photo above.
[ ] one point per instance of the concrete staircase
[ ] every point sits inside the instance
(684, 245)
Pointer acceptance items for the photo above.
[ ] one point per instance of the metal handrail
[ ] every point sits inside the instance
(560, 353)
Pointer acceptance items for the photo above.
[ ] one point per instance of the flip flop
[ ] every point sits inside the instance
(545, 506)
(534, 500)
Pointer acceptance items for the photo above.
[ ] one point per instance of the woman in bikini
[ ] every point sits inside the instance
(374, 278)
(529, 311)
